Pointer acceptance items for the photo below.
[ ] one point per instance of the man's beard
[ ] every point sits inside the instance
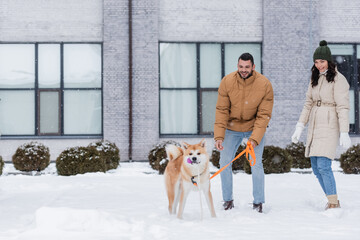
(247, 76)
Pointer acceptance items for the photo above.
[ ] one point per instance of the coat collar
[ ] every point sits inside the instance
(247, 81)
(323, 73)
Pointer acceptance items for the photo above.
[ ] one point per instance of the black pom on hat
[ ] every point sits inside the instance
(323, 43)
(322, 52)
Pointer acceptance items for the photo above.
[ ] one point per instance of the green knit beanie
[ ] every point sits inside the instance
(322, 52)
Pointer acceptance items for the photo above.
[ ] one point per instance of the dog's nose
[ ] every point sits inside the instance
(194, 159)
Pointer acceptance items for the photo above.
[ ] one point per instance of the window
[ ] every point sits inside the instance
(190, 74)
(347, 59)
(50, 89)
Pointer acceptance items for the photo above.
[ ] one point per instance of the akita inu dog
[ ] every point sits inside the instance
(188, 169)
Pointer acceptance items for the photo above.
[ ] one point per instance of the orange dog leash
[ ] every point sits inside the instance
(248, 150)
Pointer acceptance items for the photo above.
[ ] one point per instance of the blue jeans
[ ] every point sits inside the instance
(231, 143)
(321, 167)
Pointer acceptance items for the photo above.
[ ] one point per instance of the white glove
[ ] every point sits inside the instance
(345, 140)
(296, 136)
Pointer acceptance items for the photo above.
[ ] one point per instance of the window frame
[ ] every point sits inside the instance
(60, 89)
(198, 88)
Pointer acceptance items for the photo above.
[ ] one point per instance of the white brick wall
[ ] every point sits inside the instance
(115, 78)
(289, 31)
(210, 20)
(290, 28)
(340, 21)
(51, 20)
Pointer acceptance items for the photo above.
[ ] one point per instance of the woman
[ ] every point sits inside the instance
(326, 109)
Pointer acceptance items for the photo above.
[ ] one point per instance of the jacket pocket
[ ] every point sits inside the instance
(333, 119)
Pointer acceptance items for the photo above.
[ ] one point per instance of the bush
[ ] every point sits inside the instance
(237, 165)
(1, 165)
(297, 154)
(31, 156)
(109, 151)
(215, 158)
(157, 156)
(80, 160)
(350, 160)
(275, 160)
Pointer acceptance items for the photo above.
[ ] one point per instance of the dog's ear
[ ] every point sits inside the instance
(185, 145)
(203, 143)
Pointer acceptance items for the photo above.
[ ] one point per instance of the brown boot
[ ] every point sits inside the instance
(228, 205)
(333, 202)
(332, 205)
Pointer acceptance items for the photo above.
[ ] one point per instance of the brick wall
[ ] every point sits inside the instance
(155, 20)
(340, 21)
(290, 37)
(289, 31)
(145, 77)
(210, 20)
(51, 20)
(115, 78)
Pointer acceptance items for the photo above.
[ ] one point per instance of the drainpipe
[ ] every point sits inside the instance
(130, 81)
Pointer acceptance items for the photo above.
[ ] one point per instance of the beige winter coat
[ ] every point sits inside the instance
(326, 109)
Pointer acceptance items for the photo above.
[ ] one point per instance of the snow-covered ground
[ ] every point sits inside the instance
(130, 203)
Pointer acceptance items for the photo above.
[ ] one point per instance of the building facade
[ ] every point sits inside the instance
(139, 72)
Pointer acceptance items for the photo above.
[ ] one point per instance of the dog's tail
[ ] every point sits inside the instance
(173, 152)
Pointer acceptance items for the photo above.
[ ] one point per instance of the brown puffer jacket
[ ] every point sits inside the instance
(243, 105)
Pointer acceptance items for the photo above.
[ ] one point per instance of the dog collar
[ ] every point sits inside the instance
(192, 179)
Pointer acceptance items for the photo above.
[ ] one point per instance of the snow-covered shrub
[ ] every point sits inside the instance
(1, 165)
(297, 153)
(31, 156)
(80, 160)
(275, 160)
(237, 165)
(215, 158)
(350, 160)
(109, 151)
(157, 156)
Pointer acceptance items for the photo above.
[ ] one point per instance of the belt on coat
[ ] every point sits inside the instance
(319, 103)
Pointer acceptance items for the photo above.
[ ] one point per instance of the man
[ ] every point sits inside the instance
(243, 111)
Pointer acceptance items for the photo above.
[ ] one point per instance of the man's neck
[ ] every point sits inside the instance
(250, 75)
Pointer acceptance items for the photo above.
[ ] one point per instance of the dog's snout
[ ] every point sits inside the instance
(194, 159)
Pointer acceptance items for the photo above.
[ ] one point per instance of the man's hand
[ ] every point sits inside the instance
(253, 144)
(218, 145)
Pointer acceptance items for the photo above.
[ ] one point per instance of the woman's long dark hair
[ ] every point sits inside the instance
(330, 74)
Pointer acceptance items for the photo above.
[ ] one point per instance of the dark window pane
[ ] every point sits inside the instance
(49, 112)
(208, 104)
